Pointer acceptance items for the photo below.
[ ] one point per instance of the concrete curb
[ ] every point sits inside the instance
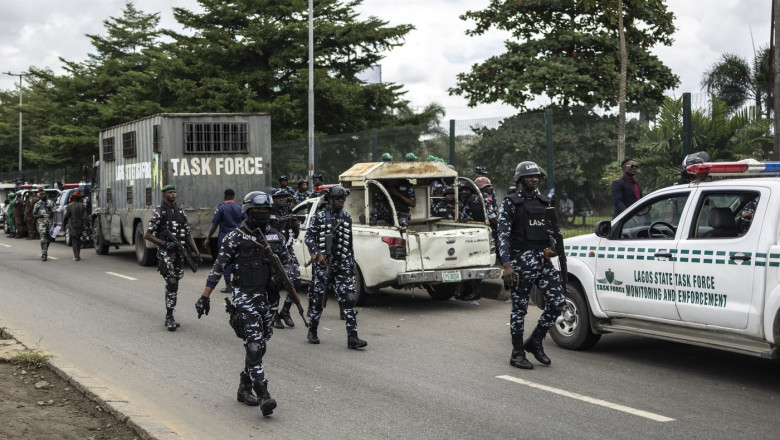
(93, 389)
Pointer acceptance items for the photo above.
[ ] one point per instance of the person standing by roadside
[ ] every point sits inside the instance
(9, 214)
(522, 240)
(29, 205)
(169, 228)
(252, 272)
(626, 190)
(333, 268)
(227, 218)
(18, 214)
(43, 213)
(74, 217)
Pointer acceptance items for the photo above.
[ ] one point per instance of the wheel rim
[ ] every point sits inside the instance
(568, 320)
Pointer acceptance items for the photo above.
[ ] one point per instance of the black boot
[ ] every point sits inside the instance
(267, 403)
(285, 315)
(171, 323)
(354, 342)
(533, 345)
(518, 354)
(244, 393)
(312, 336)
(277, 321)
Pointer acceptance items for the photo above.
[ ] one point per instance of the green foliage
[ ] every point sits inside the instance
(569, 52)
(31, 359)
(736, 82)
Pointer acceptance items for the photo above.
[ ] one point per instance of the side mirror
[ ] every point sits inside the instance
(604, 228)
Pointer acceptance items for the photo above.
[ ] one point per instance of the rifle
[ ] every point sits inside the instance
(277, 265)
(185, 252)
(557, 245)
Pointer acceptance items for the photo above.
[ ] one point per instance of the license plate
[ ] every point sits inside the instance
(452, 276)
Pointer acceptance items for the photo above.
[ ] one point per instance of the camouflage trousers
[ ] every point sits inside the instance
(342, 284)
(531, 268)
(171, 267)
(43, 230)
(294, 273)
(257, 317)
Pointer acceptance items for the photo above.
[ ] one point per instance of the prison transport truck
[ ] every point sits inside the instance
(201, 153)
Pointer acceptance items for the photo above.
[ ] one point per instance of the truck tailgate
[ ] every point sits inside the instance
(448, 249)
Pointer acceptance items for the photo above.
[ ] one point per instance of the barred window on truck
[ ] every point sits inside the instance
(216, 137)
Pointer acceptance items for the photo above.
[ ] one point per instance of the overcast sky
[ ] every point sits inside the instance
(37, 32)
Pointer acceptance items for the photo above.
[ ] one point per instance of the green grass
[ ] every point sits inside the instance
(31, 359)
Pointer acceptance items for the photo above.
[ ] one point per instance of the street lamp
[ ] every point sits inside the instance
(311, 90)
(20, 75)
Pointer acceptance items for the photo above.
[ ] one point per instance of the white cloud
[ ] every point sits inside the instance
(37, 32)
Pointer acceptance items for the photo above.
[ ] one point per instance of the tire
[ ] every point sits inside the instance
(101, 247)
(144, 255)
(572, 328)
(68, 238)
(360, 288)
(444, 291)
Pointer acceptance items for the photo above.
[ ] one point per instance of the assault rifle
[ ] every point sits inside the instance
(555, 233)
(279, 267)
(185, 252)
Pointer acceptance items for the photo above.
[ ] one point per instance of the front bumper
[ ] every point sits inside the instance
(437, 276)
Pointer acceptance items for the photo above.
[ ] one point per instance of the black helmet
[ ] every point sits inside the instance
(480, 170)
(279, 192)
(256, 199)
(301, 182)
(337, 191)
(283, 177)
(525, 169)
(317, 176)
(694, 158)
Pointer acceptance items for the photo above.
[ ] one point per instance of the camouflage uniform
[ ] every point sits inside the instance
(401, 208)
(342, 262)
(46, 209)
(251, 279)
(522, 239)
(170, 264)
(380, 211)
(283, 221)
(299, 196)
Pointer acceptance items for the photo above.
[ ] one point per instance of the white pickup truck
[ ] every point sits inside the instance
(694, 263)
(429, 252)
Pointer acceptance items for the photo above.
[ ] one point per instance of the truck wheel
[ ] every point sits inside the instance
(572, 328)
(144, 255)
(360, 288)
(444, 291)
(101, 247)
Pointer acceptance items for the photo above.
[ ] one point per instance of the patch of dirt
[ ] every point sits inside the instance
(52, 409)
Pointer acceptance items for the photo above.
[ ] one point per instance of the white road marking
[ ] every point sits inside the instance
(52, 258)
(5, 245)
(122, 276)
(604, 403)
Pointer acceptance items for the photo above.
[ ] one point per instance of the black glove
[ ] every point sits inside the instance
(203, 305)
(170, 246)
(197, 259)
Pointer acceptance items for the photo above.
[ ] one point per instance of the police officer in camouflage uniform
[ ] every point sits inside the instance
(288, 225)
(303, 192)
(522, 238)
(333, 225)
(284, 186)
(43, 211)
(168, 217)
(244, 252)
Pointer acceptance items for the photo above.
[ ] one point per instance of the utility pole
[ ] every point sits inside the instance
(20, 75)
(311, 91)
(776, 74)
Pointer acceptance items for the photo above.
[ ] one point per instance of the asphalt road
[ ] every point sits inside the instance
(432, 369)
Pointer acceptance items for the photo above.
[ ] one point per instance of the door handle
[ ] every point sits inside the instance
(741, 257)
(663, 255)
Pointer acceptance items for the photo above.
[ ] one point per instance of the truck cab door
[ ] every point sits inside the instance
(304, 211)
(716, 262)
(635, 264)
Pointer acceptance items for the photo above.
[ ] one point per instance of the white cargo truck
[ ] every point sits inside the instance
(430, 252)
(201, 153)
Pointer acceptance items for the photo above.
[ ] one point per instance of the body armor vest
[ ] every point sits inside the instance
(529, 225)
(172, 219)
(334, 241)
(252, 273)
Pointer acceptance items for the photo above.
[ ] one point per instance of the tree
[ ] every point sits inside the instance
(251, 55)
(568, 50)
(735, 81)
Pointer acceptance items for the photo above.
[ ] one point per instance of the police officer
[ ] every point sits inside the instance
(316, 181)
(43, 212)
(522, 238)
(445, 207)
(303, 192)
(243, 250)
(380, 210)
(402, 195)
(9, 214)
(167, 227)
(288, 225)
(284, 186)
(331, 230)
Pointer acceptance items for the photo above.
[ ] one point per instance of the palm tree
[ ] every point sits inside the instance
(734, 81)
